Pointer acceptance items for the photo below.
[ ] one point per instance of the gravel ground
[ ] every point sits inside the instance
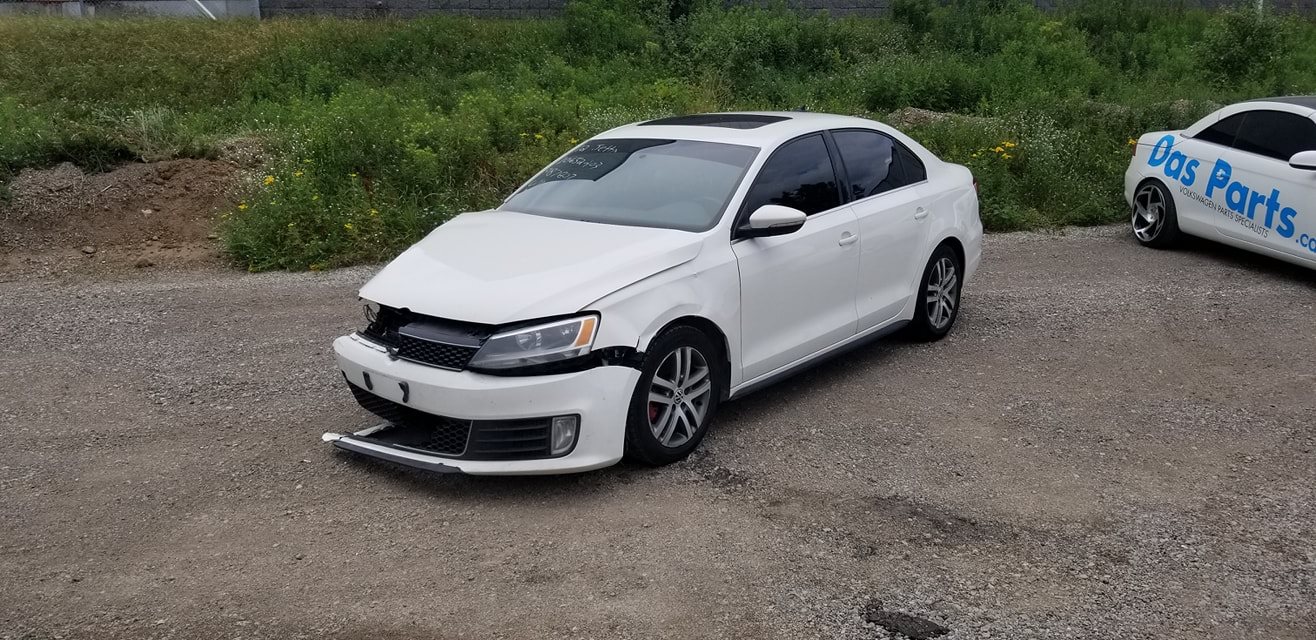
(1114, 443)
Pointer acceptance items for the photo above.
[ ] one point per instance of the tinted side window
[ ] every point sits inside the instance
(1223, 132)
(911, 165)
(799, 175)
(1276, 134)
(869, 159)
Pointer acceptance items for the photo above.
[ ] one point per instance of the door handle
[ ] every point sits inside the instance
(847, 238)
(920, 213)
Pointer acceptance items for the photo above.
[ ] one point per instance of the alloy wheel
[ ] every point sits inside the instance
(1148, 213)
(942, 293)
(679, 396)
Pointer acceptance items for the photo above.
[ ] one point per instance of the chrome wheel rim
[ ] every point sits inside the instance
(1148, 213)
(678, 397)
(943, 293)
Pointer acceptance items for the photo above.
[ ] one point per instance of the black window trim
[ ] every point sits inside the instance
(1245, 113)
(742, 215)
(849, 199)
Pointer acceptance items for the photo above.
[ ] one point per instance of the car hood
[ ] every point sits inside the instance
(496, 267)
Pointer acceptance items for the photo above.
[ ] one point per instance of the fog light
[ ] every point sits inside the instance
(564, 434)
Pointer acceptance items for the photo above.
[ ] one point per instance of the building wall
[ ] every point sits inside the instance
(541, 8)
(477, 8)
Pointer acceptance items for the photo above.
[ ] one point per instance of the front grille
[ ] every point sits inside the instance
(448, 344)
(469, 440)
(436, 354)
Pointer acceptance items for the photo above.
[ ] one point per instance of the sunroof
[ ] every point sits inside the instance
(728, 120)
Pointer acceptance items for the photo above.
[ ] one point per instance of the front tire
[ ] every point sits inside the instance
(1155, 220)
(938, 298)
(678, 393)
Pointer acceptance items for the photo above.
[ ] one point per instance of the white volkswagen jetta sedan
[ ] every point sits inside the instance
(1244, 175)
(613, 301)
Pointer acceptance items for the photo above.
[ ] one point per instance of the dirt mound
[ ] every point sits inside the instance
(173, 202)
(138, 214)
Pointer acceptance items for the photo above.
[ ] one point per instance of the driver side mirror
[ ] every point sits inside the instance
(772, 220)
(1305, 160)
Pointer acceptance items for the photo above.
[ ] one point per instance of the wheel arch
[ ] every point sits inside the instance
(956, 245)
(714, 333)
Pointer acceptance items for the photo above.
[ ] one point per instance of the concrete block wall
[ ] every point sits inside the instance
(542, 8)
(475, 8)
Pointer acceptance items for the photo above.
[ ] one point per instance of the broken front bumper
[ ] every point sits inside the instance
(599, 396)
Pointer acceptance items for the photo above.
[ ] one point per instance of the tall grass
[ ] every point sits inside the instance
(380, 130)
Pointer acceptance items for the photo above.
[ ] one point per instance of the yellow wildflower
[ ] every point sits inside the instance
(348, 226)
(1010, 145)
(269, 180)
(539, 136)
(976, 155)
(999, 149)
(374, 212)
(242, 206)
(573, 141)
(1006, 156)
(1132, 141)
(352, 175)
(315, 197)
(292, 224)
(296, 174)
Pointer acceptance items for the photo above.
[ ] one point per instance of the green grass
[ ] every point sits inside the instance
(381, 130)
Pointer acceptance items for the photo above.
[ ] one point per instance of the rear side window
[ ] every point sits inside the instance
(1223, 132)
(875, 163)
(1276, 134)
(799, 175)
(869, 159)
(911, 165)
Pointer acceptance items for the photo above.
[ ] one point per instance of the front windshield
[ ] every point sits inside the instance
(673, 184)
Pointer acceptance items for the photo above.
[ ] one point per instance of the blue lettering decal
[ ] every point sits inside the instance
(1256, 200)
(1219, 176)
(1190, 172)
(1162, 149)
(1286, 227)
(1236, 197)
(1174, 167)
(1272, 207)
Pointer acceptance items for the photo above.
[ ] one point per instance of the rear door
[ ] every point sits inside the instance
(797, 291)
(887, 185)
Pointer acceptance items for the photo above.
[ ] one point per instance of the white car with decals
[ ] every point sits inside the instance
(611, 303)
(1244, 175)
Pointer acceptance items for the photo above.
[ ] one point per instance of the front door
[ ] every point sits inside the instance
(797, 291)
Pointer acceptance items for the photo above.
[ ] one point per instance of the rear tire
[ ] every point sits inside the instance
(676, 397)
(1155, 221)
(937, 303)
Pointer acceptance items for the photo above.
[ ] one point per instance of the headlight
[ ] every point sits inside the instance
(540, 344)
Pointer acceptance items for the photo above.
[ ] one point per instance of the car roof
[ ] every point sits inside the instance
(1304, 106)
(751, 128)
(1308, 102)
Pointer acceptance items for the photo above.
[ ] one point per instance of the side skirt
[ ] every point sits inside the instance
(805, 363)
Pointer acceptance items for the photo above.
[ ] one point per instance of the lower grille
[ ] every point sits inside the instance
(465, 439)
(510, 439)
(415, 429)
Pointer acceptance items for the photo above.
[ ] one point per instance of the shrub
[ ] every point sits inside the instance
(1244, 46)
(419, 119)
